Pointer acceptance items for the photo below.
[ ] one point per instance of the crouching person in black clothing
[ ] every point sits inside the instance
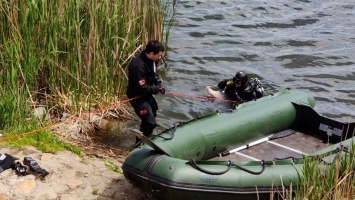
(241, 88)
(143, 83)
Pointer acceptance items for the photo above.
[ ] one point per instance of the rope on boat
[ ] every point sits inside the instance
(290, 157)
(194, 165)
(337, 151)
(263, 163)
(170, 130)
(178, 124)
(320, 157)
(293, 164)
(230, 165)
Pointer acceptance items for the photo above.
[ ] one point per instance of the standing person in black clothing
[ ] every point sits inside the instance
(241, 88)
(143, 82)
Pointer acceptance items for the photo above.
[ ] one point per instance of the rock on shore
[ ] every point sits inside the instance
(70, 177)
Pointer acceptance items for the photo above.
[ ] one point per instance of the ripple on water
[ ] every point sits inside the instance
(305, 45)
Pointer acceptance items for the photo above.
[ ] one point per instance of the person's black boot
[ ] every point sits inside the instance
(29, 161)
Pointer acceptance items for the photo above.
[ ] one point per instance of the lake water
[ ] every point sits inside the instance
(304, 45)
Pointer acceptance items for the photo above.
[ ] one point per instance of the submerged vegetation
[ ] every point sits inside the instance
(70, 56)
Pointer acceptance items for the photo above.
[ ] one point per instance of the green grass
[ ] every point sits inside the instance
(111, 166)
(95, 192)
(44, 141)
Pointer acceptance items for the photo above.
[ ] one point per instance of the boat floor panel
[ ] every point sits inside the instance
(294, 145)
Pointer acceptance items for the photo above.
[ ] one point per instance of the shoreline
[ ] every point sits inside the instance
(70, 177)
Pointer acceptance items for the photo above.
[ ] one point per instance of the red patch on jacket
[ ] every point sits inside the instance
(141, 82)
(143, 112)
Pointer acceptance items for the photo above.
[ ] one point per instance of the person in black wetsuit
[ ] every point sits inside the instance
(143, 83)
(241, 88)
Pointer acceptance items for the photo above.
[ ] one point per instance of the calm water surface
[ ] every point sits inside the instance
(304, 45)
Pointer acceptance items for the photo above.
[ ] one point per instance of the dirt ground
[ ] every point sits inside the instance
(70, 177)
(96, 175)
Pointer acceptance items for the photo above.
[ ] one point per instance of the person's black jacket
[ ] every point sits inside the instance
(142, 78)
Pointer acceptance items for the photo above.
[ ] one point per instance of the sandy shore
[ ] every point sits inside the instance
(70, 177)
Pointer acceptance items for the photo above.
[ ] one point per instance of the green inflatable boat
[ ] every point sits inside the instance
(176, 164)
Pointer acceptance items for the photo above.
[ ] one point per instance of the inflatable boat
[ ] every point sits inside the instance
(176, 164)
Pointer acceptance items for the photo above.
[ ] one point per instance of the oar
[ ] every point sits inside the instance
(147, 141)
(265, 139)
(226, 153)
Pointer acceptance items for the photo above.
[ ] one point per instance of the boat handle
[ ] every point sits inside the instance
(230, 165)
(194, 165)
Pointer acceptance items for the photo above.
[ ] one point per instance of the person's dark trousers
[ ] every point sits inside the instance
(147, 114)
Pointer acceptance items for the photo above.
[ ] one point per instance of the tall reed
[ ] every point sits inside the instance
(70, 54)
(334, 180)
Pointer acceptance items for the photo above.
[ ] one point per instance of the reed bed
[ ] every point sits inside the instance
(330, 180)
(334, 180)
(71, 55)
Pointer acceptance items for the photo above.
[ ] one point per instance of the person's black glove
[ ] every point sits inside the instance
(237, 98)
(155, 89)
(162, 90)
(158, 80)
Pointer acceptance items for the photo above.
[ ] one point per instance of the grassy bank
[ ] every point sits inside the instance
(70, 56)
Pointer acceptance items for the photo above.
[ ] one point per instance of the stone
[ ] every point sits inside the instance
(25, 187)
(73, 183)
